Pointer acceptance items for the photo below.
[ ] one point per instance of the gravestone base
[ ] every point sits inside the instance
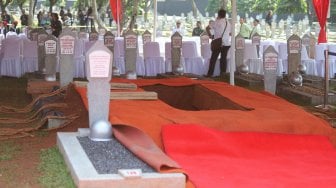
(85, 175)
(304, 95)
(314, 81)
(249, 80)
(55, 123)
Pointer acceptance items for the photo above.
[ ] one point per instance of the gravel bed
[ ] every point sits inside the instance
(107, 157)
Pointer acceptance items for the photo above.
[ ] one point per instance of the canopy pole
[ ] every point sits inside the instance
(155, 20)
(233, 41)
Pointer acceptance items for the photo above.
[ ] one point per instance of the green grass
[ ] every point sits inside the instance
(8, 150)
(53, 169)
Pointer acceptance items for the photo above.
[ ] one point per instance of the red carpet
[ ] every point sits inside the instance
(216, 159)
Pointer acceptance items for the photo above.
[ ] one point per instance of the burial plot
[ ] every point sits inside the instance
(176, 45)
(131, 47)
(270, 59)
(67, 46)
(41, 36)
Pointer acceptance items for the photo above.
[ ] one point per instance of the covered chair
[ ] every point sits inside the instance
(11, 57)
(332, 61)
(79, 59)
(310, 64)
(283, 58)
(192, 61)
(29, 56)
(119, 55)
(251, 59)
(154, 63)
(319, 58)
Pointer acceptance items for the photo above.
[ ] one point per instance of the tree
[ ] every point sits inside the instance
(195, 10)
(263, 6)
(214, 4)
(4, 4)
(19, 3)
(291, 6)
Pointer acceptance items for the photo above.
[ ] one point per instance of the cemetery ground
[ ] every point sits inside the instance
(33, 161)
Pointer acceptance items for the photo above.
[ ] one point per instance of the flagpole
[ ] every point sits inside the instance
(118, 19)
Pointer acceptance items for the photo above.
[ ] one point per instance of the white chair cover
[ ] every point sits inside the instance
(154, 63)
(79, 59)
(319, 58)
(11, 57)
(29, 56)
(332, 61)
(251, 59)
(119, 55)
(283, 58)
(192, 61)
(308, 62)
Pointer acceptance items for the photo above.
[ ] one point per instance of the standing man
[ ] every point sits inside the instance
(222, 29)
(198, 30)
(256, 28)
(244, 28)
(24, 18)
(178, 28)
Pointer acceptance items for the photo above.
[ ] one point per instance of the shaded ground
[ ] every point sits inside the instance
(22, 169)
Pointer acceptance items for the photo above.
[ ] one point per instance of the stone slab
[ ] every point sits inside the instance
(246, 81)
(85, 175)
(303, 98)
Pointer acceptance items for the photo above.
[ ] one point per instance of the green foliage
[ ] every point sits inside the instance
(53, 169)
(213, 6)
(263, 6)
(244, 6)
(291, 6)
(8, 150)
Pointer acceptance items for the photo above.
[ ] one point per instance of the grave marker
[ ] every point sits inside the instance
(41, 36)
(32, 35)
(131, 47)
(204, 38)
(99, 70)
(93, 36)
(312, 43)
(82, 35)
(239, 53)
(176, 45)
(306, 42)
(109, 41)
(146, 37)
(294, 46)
(270, 59)
(67, 45)
(256, 41)
(50, 51)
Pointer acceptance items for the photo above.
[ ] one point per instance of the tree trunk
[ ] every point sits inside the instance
(224, 4)
(31, 12)
(134, 14)
(96, 18)
(147, 8)
(195, 10)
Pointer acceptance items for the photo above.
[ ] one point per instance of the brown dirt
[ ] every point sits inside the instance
(22, 170)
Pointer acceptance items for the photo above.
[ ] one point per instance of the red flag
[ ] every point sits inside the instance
(321, 9)
(116, 8)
